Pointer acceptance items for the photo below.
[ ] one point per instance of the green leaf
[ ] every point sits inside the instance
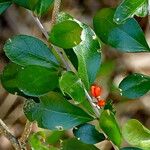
(26, 50)
(135, 85)
(43, 6)
(72, 85)
(66, 34)
(74, 144)
(55, 113)
(110, 127)
(88, 134)
(130, 148)
(4, 4)
(127, 37)
(136, 134)
(40, 7)
(9, 78)
(142, 11)
(36, 80)
(89, 56)
(127, 9)
(88, 52)
(54, 137)
(36, 142)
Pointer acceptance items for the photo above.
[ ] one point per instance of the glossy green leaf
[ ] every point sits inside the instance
(110, 127)
(127, 9)
(4, 4)
(135, 85)
(36, 80)
(88, 52)
(88, 134)
(72, 85)
(55, 113)
(66, 34)
(43, 6)
(130, 148)
(74, 144)
(89, 56)
(9, 78)
(127, 37)
(40, 7)
(27, 50)
(136, 134)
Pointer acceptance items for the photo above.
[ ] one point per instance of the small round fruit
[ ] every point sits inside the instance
(101, 103)
(96, 91)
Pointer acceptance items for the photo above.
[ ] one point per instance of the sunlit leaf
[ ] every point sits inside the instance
(136, 134)
(110, 127)
(127, 9)
(72, 85)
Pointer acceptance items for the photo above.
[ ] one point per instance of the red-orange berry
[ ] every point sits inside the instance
(101, 103)
(96, 91)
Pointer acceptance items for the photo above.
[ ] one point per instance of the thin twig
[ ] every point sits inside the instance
(39, 24)
(36, 19)
(5, 131)
(55, 13)
(26, 133)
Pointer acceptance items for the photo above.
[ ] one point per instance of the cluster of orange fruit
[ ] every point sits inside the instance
(96, 92)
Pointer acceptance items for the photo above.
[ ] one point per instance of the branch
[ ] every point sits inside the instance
(5, 131)
(69, 66)
(26, 133)
(39, 24)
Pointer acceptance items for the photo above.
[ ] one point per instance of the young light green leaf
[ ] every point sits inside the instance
(127, 9)
(27, 50)
(127, 37)
(110, 127)
(88, 134)
(40, 7)
(71, 84)
(135, 85)
(74, 144)
(55, 113)
(37, 80)
(9, 78)
(4, 4)
(66, 34)
(136, 134)
(130, 148)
